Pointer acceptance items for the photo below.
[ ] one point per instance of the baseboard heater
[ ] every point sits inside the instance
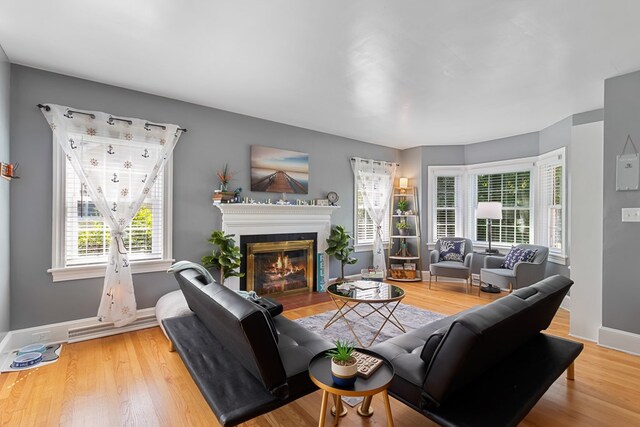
(100, 330)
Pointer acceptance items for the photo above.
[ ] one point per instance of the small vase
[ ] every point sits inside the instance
(223, 187)
(344, 375)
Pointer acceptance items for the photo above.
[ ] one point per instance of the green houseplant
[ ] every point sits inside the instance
(403, 228)
(402, 206)
(225, 256)
(339, 247)
(344, 367)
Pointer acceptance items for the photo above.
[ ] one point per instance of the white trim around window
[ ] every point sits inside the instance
(466, 176)
(60, 272)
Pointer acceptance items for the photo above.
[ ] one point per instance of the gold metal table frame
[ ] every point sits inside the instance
(383, 306)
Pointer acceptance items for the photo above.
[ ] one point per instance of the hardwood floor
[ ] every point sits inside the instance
(132, 380)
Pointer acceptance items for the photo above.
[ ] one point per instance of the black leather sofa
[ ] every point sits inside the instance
(245, 362)
(487, 366)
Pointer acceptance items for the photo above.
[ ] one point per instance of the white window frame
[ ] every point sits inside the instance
(553, 158)
(466, 206)
(59, 271)
(366, 246)
(446, 171)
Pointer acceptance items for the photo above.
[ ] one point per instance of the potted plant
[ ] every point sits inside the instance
(344, 367)
(225, 256)
(402, 206)
(403, 228)
(225, 176)
(339, 247)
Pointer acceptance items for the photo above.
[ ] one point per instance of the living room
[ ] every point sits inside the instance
(412, 85)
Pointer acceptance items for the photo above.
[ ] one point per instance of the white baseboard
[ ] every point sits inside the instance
(74, 331)
(619, 340)
(566, 303)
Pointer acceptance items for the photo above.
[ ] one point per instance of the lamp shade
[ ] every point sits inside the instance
(404, 182)
(489, 210)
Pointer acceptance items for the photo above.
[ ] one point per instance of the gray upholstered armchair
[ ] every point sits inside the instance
(523, 273)
(455, 269)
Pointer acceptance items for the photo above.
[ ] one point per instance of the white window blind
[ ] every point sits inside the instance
(87, 237)
(513, 190)
(552, 202)
(365, 228)
(446, 209)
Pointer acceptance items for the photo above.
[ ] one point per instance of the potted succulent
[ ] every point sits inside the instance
(225, 256)
(403, 228)
(344, 367)
(339, 247)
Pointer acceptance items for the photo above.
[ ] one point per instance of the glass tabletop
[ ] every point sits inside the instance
(366, 290)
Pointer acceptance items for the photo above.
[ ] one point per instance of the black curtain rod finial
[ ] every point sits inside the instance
(46, 107)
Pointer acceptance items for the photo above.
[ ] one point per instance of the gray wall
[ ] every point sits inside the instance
(214, 138)
(512, 147)
(5, 70)
(621, 269)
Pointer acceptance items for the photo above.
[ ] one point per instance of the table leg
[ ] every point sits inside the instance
(323, 408)
(387, 407)
(338, 406)
(364, 410)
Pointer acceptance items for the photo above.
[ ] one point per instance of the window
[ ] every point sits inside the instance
(81, 239)
(532, 193)
(513, 190)
(446, 213)
(551, 177)
(365, 228)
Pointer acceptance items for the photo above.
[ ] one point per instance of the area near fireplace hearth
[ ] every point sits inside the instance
(287, 244)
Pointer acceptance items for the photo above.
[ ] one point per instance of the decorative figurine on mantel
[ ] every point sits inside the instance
(223, 195)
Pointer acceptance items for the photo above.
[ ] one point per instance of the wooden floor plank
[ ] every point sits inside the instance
(131, 379)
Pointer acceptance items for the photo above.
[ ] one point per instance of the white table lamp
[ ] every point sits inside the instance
(489, 211)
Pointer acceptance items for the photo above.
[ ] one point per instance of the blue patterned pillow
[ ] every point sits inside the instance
(516, 255)
(452, 250)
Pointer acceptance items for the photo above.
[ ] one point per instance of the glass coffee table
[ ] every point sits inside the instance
(375, 297)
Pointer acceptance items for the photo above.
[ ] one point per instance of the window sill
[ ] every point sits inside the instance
(98, 270)
(367, 247)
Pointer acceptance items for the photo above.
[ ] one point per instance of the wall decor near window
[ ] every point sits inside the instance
(279, 171)
(118, 161)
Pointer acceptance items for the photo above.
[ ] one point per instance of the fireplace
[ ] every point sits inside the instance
(279, 263)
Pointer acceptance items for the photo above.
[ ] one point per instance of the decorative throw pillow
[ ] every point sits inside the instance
(452, 250)
(516, 255)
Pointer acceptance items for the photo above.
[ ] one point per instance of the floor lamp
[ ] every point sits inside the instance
(489, 211)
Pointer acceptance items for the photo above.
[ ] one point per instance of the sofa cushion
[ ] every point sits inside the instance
(516, 255)
(452, 250)
(244, 328)
(429, 348)
(482, 338)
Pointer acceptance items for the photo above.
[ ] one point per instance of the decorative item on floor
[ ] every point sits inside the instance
(339, 245)
(279, 171)
(489, 211)
(344, 367)
(134, 152)
(225, 256)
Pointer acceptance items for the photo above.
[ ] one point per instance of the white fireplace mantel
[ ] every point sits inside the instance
(244, 219)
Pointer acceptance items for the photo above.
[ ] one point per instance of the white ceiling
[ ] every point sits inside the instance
(397, 73)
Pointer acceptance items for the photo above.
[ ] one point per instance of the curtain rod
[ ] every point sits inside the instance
(111, 120)
(379, 162)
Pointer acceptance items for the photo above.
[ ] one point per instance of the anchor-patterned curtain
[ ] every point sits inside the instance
(375, 180)
(118, 161)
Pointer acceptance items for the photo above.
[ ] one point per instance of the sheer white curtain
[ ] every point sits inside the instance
(375, 180)
(118, 161)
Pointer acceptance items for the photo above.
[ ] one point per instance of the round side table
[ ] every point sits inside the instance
(378, 382)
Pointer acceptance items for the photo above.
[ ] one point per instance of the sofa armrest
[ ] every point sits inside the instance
(467, 259)
(528, 273)
(435, 257)
(493, 261)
